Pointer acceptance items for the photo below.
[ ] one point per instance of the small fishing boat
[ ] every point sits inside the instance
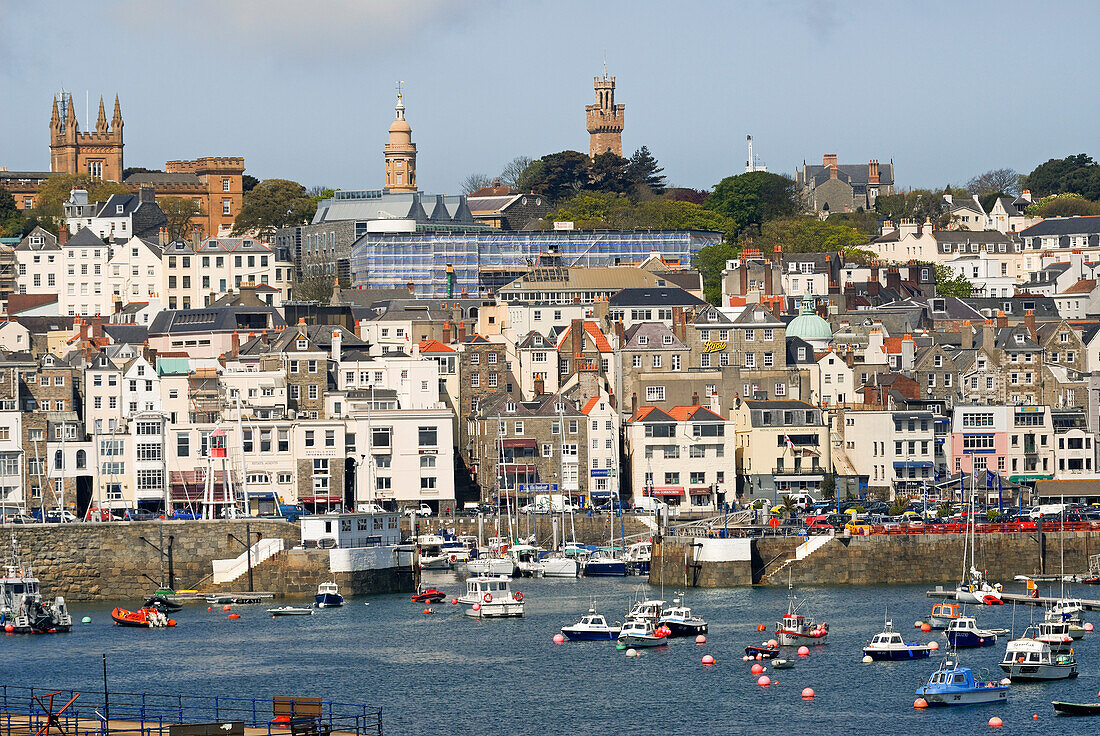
(680, 620)
(1068, 611)
(943, 614)
(1055, 634)
(794, 628)
(762, 650)
(952, 684)
(646, 610)
(290, 611)
(1028, 658)
(491, 597)
(964, 632)
(431, 595)
(782, 664)
(642, 633)
(145, 618)
(328, 596)
(890, 647)
(592, 627)
(1075, 709)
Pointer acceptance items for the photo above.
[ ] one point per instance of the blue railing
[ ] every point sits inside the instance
(152, 714)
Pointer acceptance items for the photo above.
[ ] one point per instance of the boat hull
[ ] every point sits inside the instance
(940, 622)
(589, 635)
(490, 566)
(605, 569)
(328, 600)
(789, 638)
(1076, 709)
(897, 655)
(559, 567)
(969, 639)
(1026, 672)
(290, 611)
(762, 652)
(636, 640)
(684, 628)
(977, 696)
(496, 610)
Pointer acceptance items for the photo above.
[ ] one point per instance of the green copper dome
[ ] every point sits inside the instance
(809, 326)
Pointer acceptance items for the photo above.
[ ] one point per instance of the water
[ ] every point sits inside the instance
(446, 673)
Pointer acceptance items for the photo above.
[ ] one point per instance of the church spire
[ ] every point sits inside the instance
(116, 120)
(70, 120)
(400, 151)
(101, 121)
(55, 119)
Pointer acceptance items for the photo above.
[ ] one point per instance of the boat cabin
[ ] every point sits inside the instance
(638, 627)
(1027, 651)
(964, 623)
(946, 610)
(888, 639)
(496, 587)
(328, 589)
(647, 610)
(595, 621)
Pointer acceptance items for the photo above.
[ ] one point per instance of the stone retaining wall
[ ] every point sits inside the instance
(297, 572)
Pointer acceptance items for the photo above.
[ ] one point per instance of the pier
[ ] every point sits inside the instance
(1021, 598)
(26, 711)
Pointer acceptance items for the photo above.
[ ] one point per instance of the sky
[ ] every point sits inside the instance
(305, 90)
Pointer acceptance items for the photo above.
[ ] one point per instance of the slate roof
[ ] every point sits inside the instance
(1063, 226)
(654, 297)
(157, 177)
(85, 238)
(219, 319)
(655, 332)
(1005, 339)
(851, 173)
(130, 334)
(534, 340)
(49, 240)
(972, 236)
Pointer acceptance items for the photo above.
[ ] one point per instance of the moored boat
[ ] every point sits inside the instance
(162, 604)
(328, 596)
(889, 646)
(605, 563)
(1053, 633)
(642, 633)
(943, 614)
(646, 610)
(22, 606)
(680, 620)
(145, 618)
(763, 651)
(953, 684)
(794, 628)
(1062, 708)
(964, 632)
(592, 627)
(290, 611)
(1028, 658)
(493, 598)
(431, 595)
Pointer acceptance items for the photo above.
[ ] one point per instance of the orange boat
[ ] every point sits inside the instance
(146, 618)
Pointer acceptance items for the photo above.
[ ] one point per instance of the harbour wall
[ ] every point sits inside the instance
(875, 559)
(595, 529)
(121, 560)
(297, 572)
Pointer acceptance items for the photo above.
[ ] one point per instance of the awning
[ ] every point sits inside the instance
(518, 469)
(914, 464)
(527, 442)
(699, 491)
(320, 499)
(1029, 478)
(667, 491)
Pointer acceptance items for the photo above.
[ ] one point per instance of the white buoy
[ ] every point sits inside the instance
(867, 659)
(632, 652)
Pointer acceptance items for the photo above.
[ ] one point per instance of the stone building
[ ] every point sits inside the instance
(97, 153)
(833, 187)
(400, 153)
(605, 119)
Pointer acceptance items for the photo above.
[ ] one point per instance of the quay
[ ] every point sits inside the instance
(27, 711)
(1021, 598)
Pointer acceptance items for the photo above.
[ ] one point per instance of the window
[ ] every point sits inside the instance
(428, 436)
(330, 438)
(656, 361)
(636, 361)
(148, 451)
(149, 480)
(569, 449)
(655, 393)
(310, 439)
(227, 207)
(548, 450)
(518, 427)
(428, 483)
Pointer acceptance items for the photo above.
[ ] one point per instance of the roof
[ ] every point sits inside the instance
(607, 278)
(434, 346)
(1063, 226)
(851, 173)
(131, 334)
(590, 405)
(593, 331)
(85, 238)
(694, 412)
(22, 302)
(157, 177)
(496, 190)
(642, 297)
(1084, 286)
(971, 236)
(214, 319)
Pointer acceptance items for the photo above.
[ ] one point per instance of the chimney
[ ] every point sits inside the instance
(337, 342)
(1002, 320)
(146, 195)
(908, 352)
(540, 387)
(1029, 322)
(97, 327)
(907, 226)
(967, 335)
(832, 171)
(829, 160)
(679, 324)
(236, 343)
(63, 235)
(743, 276)
(162, 238)
(634, 403)
(446, 333)
(872, 172)
(196, 238)
(576, 339)
(1026, 194)
(462, 332)
(695, 398)
(600, 310)
(893, 278)
(987, 334)
(620, 334)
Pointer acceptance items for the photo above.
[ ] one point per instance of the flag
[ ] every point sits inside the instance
(1000, 495)
(989, 479)
(790, 445)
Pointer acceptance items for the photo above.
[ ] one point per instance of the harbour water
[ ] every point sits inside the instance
(446, 673)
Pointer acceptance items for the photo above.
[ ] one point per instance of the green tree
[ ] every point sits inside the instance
(557, 176)
(598, 210)
(917, 204)
(272, 204)
(1063, 205)
(248, 182)
(754, 198)
(138, 170)
(828, 487)
(990, 198)
(319, 193)
(948, 283)
(609, 172)
(1074, 174)
(683, 194)
(181, 212)
(643, 171)
(11, 218)
(868, 223)
(808, 234)
(57, 190)
(710, 262)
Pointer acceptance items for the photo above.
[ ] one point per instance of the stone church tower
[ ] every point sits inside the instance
(605, 119)
(400, 154)
(97, 153)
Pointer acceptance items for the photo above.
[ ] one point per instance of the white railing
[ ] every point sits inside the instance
(226, 571)
(811, 545)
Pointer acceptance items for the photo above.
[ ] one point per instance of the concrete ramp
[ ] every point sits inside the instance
(226, 571)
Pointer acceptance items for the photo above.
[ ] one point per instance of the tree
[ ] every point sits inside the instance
(318, 193)
(473, 182)
(1074, 174)
(988, 200)
(807, 234)
(1063, 205)
(602, 210)
(866, 222)
(248, 182)
(683, 194)
(609, 172)
(513, 171)
(643, 171)
(313, 285)
(557, 176)
(1003, 181)
(11, 219)
(272, 204)
(917, 204)
(57, 190)
(180, 211)
(948, 283)
(710, 262)
(754, 198)
(138, 170)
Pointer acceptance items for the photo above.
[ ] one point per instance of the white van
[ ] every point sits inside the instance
(803, 501)
(1047, 509)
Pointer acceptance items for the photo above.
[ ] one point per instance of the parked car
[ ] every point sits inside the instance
(19, 519)
(60, 516)
(140, 515)
(424, 510)
(95, 514)
(186, 515)
(292, 512)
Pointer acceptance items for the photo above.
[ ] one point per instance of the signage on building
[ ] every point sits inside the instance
(563, 225)
(538, 487)
(714, 346)
(600, 473)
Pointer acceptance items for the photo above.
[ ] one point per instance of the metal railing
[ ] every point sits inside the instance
(152, 714)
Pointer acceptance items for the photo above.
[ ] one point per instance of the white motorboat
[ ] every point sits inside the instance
(290, 611)
(592, 627)
(492, 566)
(795, 628)
(21, 603)
(641, 633)
(964, 632)
(637, 557)
(559, 566)
(680, 621)
(491, 597)
(1055, 634)
(646, 610)
(1029, 658)
(525, 561)
(1068, 611)
(976, 589)
(888, 646)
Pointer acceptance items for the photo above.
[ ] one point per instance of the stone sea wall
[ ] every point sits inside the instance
(595, 529)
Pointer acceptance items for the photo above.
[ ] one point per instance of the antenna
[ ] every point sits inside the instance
(400, 86)
(605, 63)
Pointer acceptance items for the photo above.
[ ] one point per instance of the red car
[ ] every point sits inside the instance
(100, 515)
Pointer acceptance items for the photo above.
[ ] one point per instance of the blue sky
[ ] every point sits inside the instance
(305, 90)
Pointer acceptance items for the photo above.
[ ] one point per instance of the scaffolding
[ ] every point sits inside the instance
(484, 261)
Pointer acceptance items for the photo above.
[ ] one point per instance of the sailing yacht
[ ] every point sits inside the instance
(974, 588)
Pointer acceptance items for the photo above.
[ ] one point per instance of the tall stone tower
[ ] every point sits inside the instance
(605, 118)
(400, 153)
(98, 152)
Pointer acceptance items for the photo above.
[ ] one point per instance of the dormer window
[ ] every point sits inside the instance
(1019, 338)
(939, 305)
(302, 343)
(510, 407)
(643, 340)
(119, 209)
(668, 339)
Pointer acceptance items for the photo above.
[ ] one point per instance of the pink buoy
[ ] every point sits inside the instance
(559, 639)
(454, 601)
(700, 639)
(746, 658)
(708, 660)
(773, 643)
(226, 607)
(808, 693)
(1088, 627)
(764, 681)
(934, 645)
(996, 722)
(476, 606)
(757, 669)
(803, 651)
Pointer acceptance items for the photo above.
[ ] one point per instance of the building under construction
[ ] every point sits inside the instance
(447, 264)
